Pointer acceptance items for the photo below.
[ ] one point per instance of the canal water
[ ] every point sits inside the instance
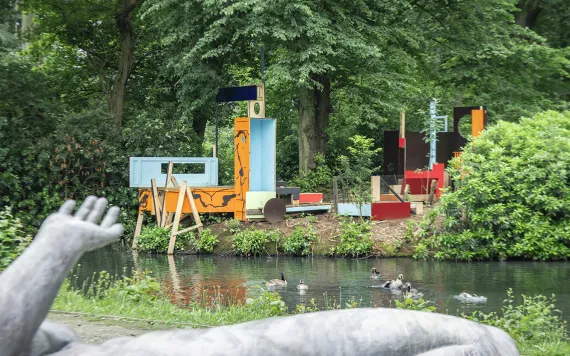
(187, 277)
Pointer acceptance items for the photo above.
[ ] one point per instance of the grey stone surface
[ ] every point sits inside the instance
(29, 285)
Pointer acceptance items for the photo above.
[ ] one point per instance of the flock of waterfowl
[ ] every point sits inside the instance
(396, 285)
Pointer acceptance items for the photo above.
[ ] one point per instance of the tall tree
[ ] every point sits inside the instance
(101, 32)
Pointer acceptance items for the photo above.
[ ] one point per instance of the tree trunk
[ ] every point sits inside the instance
(529, 13)
(125, 65)
(314, 111)
(199, 122)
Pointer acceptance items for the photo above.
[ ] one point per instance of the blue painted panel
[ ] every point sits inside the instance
(143, 169)
(262, 155)
(352, 209)
(301, 208)
(237, 94)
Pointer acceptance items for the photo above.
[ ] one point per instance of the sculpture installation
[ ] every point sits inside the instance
(30, 284)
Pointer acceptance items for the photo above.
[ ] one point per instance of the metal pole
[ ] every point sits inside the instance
(432, 134)
(216, 130)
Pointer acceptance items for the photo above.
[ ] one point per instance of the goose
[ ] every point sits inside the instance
(411, 292)
(397, 284)
(470, 298)
(374, 274)
(302, 285)
(274, 283)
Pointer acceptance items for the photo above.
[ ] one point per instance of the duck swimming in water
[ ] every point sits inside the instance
(411, 292)
(397, 284)
(374, 274)
(302, 285)
(470, 298)
(276, 283)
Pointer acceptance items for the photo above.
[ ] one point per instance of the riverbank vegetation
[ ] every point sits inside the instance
(535, 324)
(511, 196)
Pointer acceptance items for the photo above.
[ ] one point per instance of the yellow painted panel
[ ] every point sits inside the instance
(477, 122)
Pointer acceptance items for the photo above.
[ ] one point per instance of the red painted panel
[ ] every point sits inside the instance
(311, 198)
(402, 142)
(390, 210)
(419, 183)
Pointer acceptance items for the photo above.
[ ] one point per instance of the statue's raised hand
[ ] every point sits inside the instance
(82, 231)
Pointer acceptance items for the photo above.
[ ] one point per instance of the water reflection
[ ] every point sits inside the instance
(189, 279)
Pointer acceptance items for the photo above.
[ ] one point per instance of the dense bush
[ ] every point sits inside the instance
(206, 241)
(315, 180)
(355, 238)
(300, 241)
(13, 240)
(156, 239)
(512, 196)
(252, 241)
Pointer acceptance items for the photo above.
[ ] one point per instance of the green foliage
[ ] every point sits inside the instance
(252, 241)
(318, 179)
(206, 241)
(355, 238)
(234, 225)
(300, 241)
(534, 321)
(413, 304)
(356, 169)
(512, 196)
(156, 239)
(13, 239)
(267, 302)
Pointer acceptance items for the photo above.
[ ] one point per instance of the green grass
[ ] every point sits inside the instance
(535, 325)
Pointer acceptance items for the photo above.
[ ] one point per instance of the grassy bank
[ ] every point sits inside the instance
(535, 324)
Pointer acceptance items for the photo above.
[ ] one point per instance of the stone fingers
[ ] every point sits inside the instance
(85, 208)
(67, 207)
(98, 211)
(111, 217)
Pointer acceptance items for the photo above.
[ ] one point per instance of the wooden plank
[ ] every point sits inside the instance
(189, 229)
(335, 194)
(156, 201)
(194, 210)
(174, 182)
(168, 175)
(177, 216)
(375, 188)
(138, 229)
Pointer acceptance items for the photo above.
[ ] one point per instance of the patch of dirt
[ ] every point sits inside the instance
(99, 330)
(389, 234)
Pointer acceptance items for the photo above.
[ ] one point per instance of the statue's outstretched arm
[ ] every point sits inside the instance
(30, 284)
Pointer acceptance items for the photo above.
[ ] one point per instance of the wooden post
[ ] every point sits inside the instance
(138, 229)
(177, 216)
(335, 194)
(194, 210)
(375, 188)
(156, 202)
(433, 188)
(168, 176)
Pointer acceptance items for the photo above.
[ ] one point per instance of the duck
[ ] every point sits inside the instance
(275, 283)
(302, 285)
(411, 292)
(374, 274)
(470, 298)
(397, 284)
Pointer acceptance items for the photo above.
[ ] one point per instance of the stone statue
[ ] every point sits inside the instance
(30, 284)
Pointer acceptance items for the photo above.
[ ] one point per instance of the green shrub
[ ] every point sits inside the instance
(234, 225)
(300, 241)
(534, 321)
(512, 196)
(251, 242)
(156, 239)
(355, 238)
(206, 241)
(413, 304)
(13, 240)
(316, 179)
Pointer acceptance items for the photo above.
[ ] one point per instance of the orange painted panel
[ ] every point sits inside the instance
(477, 122)
(241, 173)
(208, 200)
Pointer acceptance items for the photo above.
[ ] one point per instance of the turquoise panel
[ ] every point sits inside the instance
(353, 209)
(143, 169)
(262, 155)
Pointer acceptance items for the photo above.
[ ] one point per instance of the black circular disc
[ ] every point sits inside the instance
(274, 210)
